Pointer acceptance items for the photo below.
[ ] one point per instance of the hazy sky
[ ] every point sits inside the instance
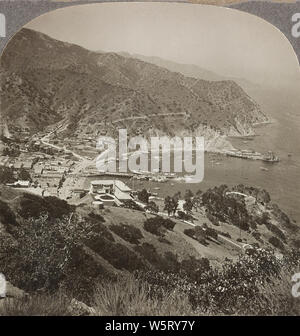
(226, 41)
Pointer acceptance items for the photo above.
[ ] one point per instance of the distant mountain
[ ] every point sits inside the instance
(45, 80)
(189, 70)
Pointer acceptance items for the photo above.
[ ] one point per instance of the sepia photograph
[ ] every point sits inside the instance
(149, 164)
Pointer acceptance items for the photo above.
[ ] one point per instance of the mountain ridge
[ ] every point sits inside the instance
(93, 88)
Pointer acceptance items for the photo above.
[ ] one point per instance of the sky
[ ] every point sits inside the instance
(227, 41)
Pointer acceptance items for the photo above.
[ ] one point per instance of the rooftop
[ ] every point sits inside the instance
(119, 184)
(122, 186)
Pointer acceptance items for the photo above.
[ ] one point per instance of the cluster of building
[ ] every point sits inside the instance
(46, 173)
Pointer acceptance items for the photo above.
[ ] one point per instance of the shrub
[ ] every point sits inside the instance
(158, 225)
(83, 271)
(6, 175)
(116, 254)
(225, 234)
(257, 283)
(24, 175)
(152, 207)
(7, 216)
(164, 240)
(198, 234)
(127, 232)
(33, 206)
(41, 256)
(194, 268)
(210, 232)
(256, 235)
(148, 251)
(168, 224)
(37, 305)
(130, 204)
(213, 219)
(201, 235)
(143, 196)
(276, 230)
(130, 296)
(276, 242)
(265, 218)
(184, 216)
(166, 263)
(98, 233)
(283, 219)
(50, 251)
(189, 232)
(154, 227)
(224, 208)
(97, 217)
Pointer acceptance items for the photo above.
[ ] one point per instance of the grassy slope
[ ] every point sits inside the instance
(175, 241)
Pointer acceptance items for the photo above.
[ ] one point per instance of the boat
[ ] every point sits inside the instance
(264, 169)
(252, 155)
(270, 157)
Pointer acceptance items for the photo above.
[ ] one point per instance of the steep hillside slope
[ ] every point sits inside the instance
(104, 91)
(78, 245)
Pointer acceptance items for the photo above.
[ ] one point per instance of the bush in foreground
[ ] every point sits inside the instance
(254, 285)
(37, 305)
(130, 296)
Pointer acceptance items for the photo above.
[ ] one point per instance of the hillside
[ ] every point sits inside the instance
(98, 248)
(46, 80)
(79, 246)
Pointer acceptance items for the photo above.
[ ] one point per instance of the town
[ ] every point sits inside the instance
(47, 166)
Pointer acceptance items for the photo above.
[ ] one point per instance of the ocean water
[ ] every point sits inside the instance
(281, 180)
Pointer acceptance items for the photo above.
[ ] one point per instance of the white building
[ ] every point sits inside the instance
(19, 184)
(117, 188)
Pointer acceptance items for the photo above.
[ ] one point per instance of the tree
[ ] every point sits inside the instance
(40, 258)
(168, 205)
(276, 242)
(188, 194)
(171, 203)
(200, 235)
(24, 175)
(265, 218)
(197, 202)
(188, 205)
(48, 251)
(175, 200)
(199, 192)
(6, 175)
(143, 196)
